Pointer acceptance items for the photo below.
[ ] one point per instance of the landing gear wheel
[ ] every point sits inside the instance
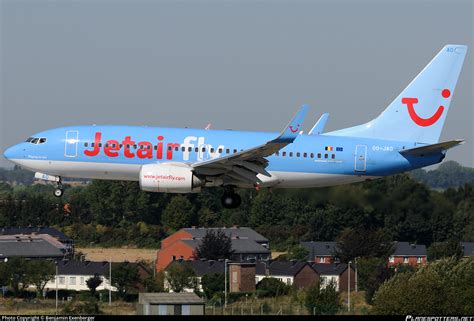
(58, 192)
(231, 200)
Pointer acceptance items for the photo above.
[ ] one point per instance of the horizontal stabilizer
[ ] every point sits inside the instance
(431, 149)
(318, 128)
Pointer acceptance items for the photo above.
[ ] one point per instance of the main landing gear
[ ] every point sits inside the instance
(59, 191)
(230, 199)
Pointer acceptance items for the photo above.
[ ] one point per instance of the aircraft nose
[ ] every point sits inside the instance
(10, 152)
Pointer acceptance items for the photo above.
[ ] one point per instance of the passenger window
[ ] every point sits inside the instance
(277, 153)
(298, 154)
(29, 139)
(135, 146)
(34, 141)
(183, 149)
(92, 144)
(85, 144)
(190, 149)
(196, 149)
(212, 150)
(106, 145)
(147, 147)
(220, 150)
(284, 154)
(235, 151)
(155, 147)
(42, 140)
(333, 156)
(100, 144)
(291, 154)
(325, 155)
(203, 149)
(305, 155)
(120, 145)
(176, 149)
(169, 147)
(319, 155)
(227, 151)
(312, 155)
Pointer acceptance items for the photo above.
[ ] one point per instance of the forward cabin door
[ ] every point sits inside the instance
(360, 158)
(72, 139)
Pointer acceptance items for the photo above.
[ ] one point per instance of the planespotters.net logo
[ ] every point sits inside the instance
(438, 318)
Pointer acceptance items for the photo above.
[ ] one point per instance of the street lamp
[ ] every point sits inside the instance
(110, 281)
(56, 278)
(225, 285)
(349, 287)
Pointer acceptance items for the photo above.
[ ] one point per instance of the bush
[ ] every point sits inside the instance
(271, 287)
(75, 306)
(322, 301)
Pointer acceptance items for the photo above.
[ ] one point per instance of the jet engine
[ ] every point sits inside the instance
(169, 178)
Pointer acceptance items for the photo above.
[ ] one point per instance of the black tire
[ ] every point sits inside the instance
(58, 192)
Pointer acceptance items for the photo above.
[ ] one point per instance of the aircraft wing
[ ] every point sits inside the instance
(431, 149)
(247, 164)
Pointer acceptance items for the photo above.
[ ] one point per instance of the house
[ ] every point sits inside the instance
(337, 273)
(298, 273)
(200, 268)
(169, 304)
(33, 246)
(247, 244)
(320, 252)
(58, 235)
(73, 275)
(467, 248)
(406, 253)
(241, 276)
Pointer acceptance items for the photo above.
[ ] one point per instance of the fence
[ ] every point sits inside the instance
(256, 309)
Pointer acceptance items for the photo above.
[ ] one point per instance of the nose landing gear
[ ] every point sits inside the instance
(59, 191)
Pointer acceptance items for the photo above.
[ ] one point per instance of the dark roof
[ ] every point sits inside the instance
(468, 248)
(238, 245)
(329, 269)
(83, 268)
(30, 247)
(169, 298)
(407, 249)
(284, 268)
(203, 267)
(233, 232)
(37, 230)
(319, 248)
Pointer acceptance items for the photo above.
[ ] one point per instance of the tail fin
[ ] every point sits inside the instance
(419, 112)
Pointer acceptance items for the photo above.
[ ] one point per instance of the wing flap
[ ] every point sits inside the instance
(432, 149)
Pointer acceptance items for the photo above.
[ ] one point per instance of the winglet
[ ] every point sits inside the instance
(318, 128)
(292, 130)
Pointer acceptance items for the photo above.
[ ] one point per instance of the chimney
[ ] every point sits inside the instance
(413, 246)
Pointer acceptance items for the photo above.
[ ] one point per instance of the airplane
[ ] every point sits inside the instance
(405, 136)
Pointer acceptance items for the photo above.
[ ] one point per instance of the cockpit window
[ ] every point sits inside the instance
(36, 140)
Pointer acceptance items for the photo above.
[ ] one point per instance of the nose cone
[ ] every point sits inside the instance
(10, 152)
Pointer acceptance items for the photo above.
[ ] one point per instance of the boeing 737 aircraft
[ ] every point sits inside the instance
(403, 137)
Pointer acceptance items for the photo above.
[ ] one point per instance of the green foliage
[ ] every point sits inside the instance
(93, 283)
(88, 307)
(439, 288)
(214, 245)
(16, 274)
(371, 273)
(153, 284)
(448, 174)
(40, 272)
(213, 284)
(180, 275)
(272, 287)
(296, 252)
(179, 213)
(125, 278)
(322, 301)
(445, 249)
(360, 242)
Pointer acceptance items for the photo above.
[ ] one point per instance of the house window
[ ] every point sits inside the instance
(72, 280)
(81, 280)
(234, 277)
(173, 257)
(62, 280)
(321, 259)
(405, 259)
(288, 281)
(391, 259)
(419, 260)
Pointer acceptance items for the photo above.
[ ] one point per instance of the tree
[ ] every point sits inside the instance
(179, 213)
(372, 272)
(445, 249)
(214, 246)
(322, 301)
(271, 287)
(40, 272)
(180, 276)
(439, 288)
(153, 284)
(364, 243)
(16, 274)
(213, 284)
(93, 283)
(125, 277)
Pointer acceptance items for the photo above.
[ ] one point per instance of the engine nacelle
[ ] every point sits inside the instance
(169, 178)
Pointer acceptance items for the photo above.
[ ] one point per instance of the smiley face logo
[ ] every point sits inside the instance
(424, 122)
(294, 130)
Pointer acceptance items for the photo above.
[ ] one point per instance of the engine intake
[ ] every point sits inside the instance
(169, 178)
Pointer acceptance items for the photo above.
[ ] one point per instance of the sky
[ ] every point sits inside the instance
(243, 65)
